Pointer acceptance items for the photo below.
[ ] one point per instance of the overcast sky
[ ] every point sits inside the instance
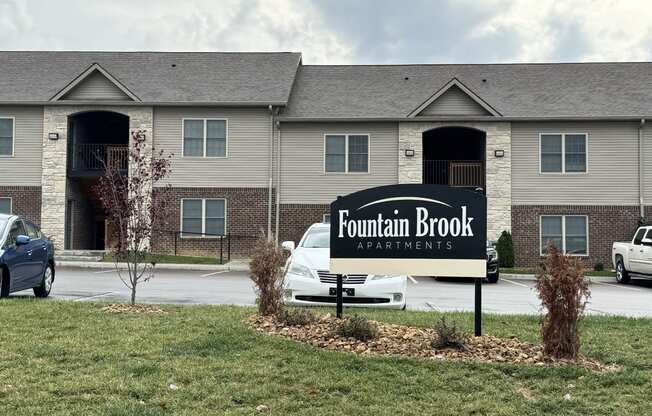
(341, 31)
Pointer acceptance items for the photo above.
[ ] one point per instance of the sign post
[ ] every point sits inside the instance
(411, 229)
(338, 297)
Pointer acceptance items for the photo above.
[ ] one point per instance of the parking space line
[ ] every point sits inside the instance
(105, 271)
(214, 273)
(614, 285)
(431, 305)
(515, 283)
(83, 298)
(413, 280)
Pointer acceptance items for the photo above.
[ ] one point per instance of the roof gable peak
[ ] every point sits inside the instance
(95, 73)
(465, 96)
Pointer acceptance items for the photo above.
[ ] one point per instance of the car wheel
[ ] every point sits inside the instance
(4, 283)
(492, 278)
(43, 291)
(622, 275)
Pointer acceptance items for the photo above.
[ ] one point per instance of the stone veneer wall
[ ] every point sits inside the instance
(246, 219)
(55, 120)
(25, 201)
(606, 225)
(498, 170)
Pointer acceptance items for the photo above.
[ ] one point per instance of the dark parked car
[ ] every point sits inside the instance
(26, 257)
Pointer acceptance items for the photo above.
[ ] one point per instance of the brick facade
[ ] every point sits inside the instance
(246, 218)
(294, 219)
(25, 200)
(606, 225)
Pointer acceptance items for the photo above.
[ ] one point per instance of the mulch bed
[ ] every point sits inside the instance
(405, 341)
(127, 308)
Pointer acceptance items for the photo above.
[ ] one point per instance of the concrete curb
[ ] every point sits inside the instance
(233, 266)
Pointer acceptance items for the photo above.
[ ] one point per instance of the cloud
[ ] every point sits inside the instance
(340, 32)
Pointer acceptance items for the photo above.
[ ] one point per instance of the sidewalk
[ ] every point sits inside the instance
(235, 266)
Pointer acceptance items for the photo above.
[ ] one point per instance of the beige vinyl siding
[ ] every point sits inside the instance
(96, 87)
(246, 164)
(612, 160)
(24, 168)
(302, 150)
(454, 102)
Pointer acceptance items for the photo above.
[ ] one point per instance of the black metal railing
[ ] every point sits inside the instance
(457, 173)
(94, 157)
(223, 241)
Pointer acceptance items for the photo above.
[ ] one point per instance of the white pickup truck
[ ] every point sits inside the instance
(634, 257)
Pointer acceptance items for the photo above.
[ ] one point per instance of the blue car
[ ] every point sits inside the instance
(26, 257)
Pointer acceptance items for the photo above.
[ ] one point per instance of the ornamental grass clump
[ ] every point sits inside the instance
(357, 327)
(266, 268)
(564, 293)
(449, 335)
(296, 316)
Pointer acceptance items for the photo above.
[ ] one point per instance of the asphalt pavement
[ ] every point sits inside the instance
(512, 294)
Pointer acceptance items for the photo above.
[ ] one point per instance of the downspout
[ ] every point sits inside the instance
(278, 179)
(270, 184)
(641, 161)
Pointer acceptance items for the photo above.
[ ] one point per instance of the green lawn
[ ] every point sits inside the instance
(170, 258)
(64, 358)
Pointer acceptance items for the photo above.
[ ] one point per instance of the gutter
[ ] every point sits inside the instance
(641, 165)
(270, 168)
(450, 119)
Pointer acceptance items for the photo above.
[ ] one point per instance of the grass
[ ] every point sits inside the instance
(64, 358)
(531, 270)
(170, 258)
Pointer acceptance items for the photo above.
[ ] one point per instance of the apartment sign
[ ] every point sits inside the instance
(412, 229)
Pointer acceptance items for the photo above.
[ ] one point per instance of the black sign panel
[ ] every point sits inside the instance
(410, 229)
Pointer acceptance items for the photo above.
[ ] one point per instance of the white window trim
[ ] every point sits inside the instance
(13, 138)
(346, 155)
(11, 203)
(323, 218)
(203, 218)
(205, 120)
(563, 153)
(563, 233)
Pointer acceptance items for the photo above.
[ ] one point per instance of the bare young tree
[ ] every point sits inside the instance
(136, 208)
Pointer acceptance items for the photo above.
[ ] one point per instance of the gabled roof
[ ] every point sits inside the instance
(451, 85)
(572, 90)
(155, 77)
(90, 72)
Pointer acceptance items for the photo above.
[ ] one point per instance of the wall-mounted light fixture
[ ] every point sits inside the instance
(409, 152)
(499, 153)
(53, 136)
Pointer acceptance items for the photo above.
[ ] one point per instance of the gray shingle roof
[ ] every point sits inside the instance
(197, 77)
(514, 90)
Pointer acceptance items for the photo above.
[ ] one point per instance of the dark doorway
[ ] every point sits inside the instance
(96, 139)
(454, 156)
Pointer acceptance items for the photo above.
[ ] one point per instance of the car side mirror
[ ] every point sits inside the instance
(288, 245)
(21, 240)
(647, 242)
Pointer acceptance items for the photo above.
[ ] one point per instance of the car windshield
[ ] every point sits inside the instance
(317, 238)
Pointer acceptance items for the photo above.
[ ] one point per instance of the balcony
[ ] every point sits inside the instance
(455, 173)
(88, 160)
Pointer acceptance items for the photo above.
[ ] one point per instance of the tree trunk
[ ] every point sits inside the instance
(133, 295)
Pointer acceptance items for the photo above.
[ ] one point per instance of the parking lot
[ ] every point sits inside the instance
(512, 294)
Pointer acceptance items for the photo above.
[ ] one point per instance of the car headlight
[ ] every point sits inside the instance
(492, 255)
(300, 270)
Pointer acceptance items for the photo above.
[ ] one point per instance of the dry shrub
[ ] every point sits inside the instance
(266, 268)
(296, 316)
(449, 335)
(357, 327)
(564, 292)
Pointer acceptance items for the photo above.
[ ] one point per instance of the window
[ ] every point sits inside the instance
(5, 205)
(563, 153)
(639, 237)
(32, 230)
(15, 230)
(569, 233)
(6, 136)
(204, 138)
(346, 153)
(203, 217)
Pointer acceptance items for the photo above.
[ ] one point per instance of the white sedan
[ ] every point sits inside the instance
(309, 282)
